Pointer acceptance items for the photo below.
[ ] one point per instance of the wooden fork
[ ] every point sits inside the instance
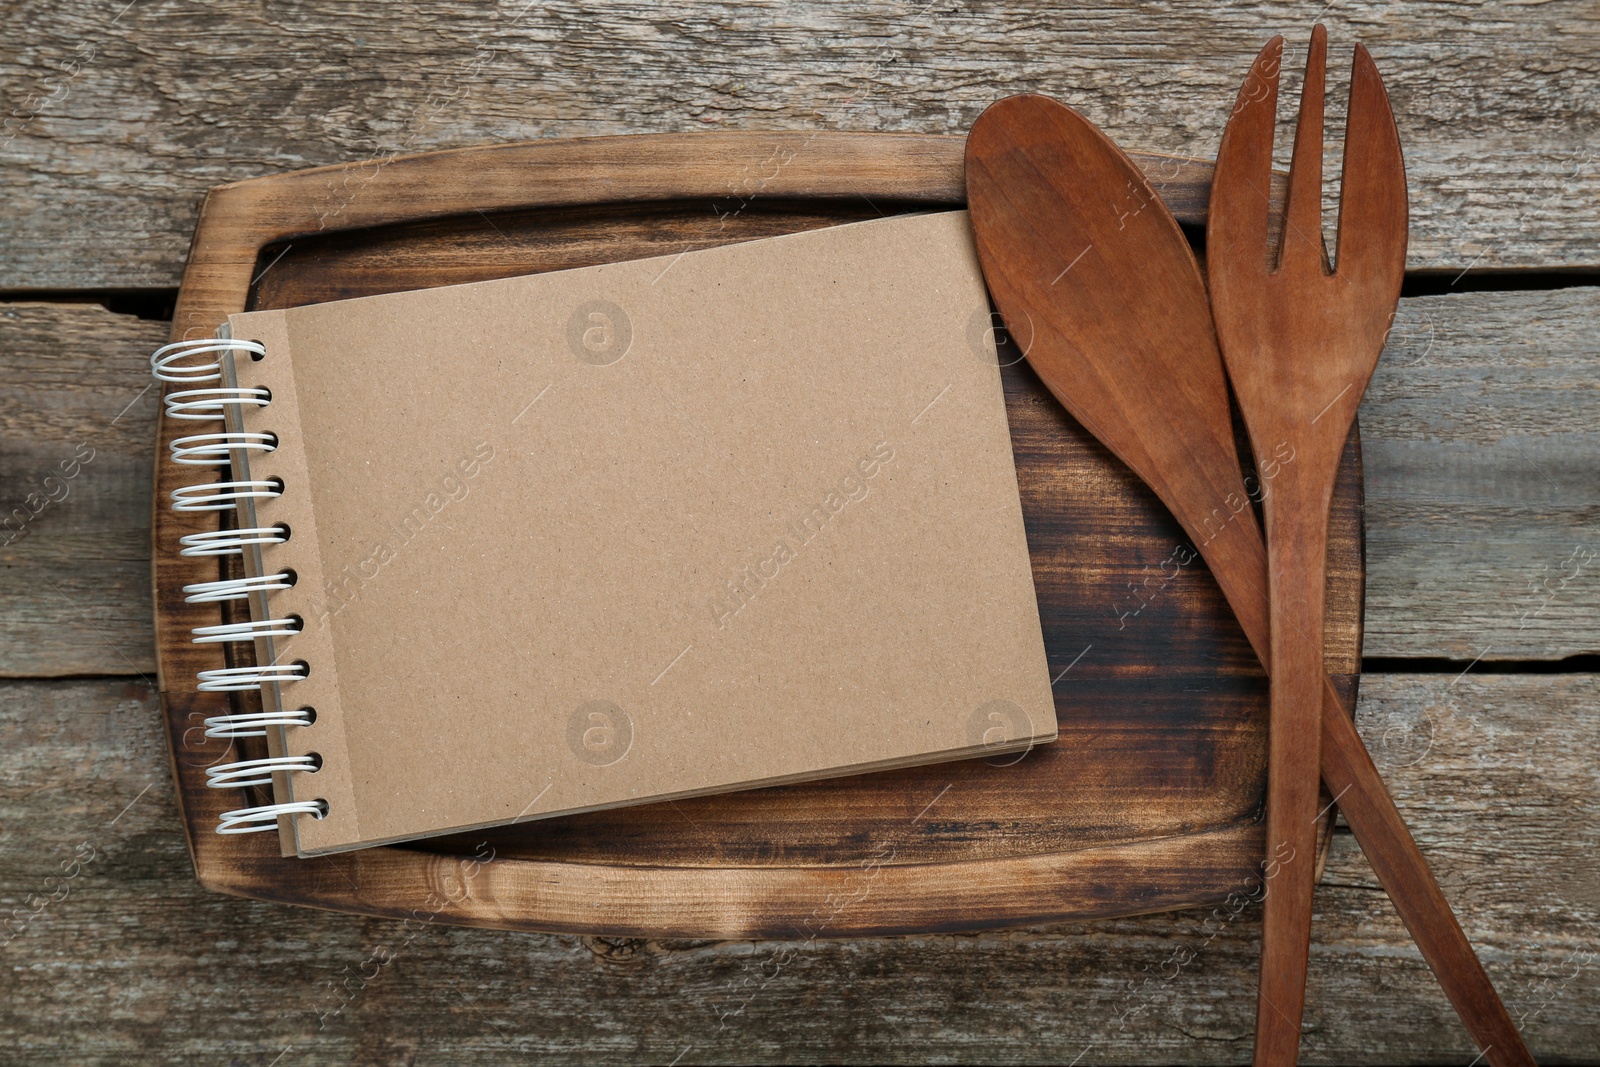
(1300, 342)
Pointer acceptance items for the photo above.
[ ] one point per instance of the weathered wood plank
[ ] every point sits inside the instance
(1480, 432)
(122, 958)
(121, 117)
(77, 440)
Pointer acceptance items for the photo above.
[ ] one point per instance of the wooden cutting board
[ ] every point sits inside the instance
(1150, 800)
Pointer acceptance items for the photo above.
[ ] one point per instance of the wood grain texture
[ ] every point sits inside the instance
(1126, 343)
(1301, 341)
(77, 418)
(1151, 802)
(120, 119)
(1481, 428)
(1479, 432)
(134, 962)
(102, 182)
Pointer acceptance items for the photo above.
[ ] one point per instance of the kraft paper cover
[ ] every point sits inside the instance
(645, 530)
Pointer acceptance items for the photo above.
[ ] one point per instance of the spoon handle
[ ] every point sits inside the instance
(1353, 779)
(1357, 787)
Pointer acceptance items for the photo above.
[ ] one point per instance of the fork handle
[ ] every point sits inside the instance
(1297, 549)
(1357, 786)
(1352, 777)
(1297, 561)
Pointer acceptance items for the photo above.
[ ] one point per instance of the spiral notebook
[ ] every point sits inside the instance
(626, 533)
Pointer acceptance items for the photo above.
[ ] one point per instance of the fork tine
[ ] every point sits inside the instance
(1372, 196)
(1302, 229)
(1242, 183)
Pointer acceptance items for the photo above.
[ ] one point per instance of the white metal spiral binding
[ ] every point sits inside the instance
(210, 404)
(255, 723)
(231, 542)
(258, 771)
(240, 679)
(236, 588)
(220, 496)
(217, 449)
(248, 631)
(255, 820)
(198, 362)
(164, 360)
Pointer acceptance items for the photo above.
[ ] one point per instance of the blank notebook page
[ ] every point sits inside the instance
(743, 516)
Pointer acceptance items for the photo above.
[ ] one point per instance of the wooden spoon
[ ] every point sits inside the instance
(1073, 240)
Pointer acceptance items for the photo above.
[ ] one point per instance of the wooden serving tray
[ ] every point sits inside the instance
(1150, 800)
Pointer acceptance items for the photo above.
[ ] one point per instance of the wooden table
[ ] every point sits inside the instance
(1482, 439)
